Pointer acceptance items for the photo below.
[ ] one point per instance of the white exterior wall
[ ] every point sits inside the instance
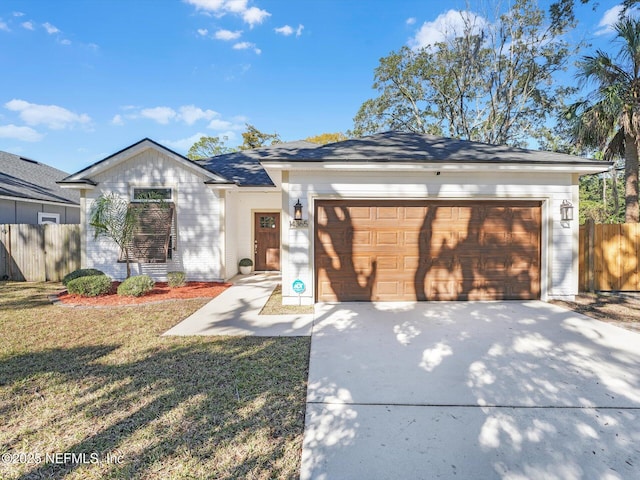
(231, 228)
(559, 262)
(249, 202)
(200, 230)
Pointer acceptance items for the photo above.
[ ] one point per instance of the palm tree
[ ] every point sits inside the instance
(112, 218)
(610, 118)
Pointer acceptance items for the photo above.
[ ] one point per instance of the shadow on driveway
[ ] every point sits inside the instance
(470, 390)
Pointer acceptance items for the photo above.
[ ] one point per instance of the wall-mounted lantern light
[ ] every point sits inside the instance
(566, 211)
(297, 211)
(298, 221)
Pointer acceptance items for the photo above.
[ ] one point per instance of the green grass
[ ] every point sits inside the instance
(100, 381)
(274, 305)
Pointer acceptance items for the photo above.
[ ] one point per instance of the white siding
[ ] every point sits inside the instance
(199, 246)
(249, 202)
(559, 251)
(231, 235)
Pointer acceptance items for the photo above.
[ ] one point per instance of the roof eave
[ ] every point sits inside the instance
(81, 184)
(131, 151)
(582, 168)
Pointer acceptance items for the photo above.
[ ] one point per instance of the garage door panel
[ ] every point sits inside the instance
(362, 238)
(360, 213)
(361, 263)
(388, 239)
(415, 214)
(388, 213)
(408, 250)
(388, 262)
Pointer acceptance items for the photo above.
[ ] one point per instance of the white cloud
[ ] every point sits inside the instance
(251, 15)
(183, 144)
(52, 116)
(217, 124)
(411, 21)
(288, 30)
(247, 46)
(191, 114)
(610, 17)
(285, 30)
(65, 41)
(50, 28)
(18, 14)
(4, 26)
(236, 6)
(255, 16)
(227, 34)
(203, 32)
(28, 25)
(117, 120)
(161, 115)
(25, 134)
(446, 26)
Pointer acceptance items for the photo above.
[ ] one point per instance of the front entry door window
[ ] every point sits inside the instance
(267, 241)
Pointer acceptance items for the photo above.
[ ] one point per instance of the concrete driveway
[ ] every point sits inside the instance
(477, 390)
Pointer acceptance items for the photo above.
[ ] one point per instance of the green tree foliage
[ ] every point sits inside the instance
(491, 81)
(601, 197)
(208, 147)
(254, 138)
(325, 138)
(609, 119)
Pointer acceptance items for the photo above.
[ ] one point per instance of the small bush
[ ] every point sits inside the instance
(136, 286)
(246, 262)
(89, 286)
(176, 279)
(83, 272)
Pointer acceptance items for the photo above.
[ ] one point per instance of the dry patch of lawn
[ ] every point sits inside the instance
(274, 306)
(103, 385)
(618, 309)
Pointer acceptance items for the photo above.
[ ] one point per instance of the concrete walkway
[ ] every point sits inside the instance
(470, 390)
(236, 312)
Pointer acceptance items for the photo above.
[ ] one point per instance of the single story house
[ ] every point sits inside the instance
(389, 217)
(29, 193)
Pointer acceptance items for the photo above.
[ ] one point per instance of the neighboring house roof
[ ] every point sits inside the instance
(83, 177)
(413, 147)
(22, 178)
(244, 167)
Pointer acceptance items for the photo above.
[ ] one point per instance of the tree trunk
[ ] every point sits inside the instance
(632, 212)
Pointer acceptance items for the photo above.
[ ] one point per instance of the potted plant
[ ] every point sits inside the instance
(245, 266)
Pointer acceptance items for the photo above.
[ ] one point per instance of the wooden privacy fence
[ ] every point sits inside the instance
(609, 257)
(36, 253)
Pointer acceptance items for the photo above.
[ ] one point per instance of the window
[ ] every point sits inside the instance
(141, 194)
(48, 218)
(152, 233)
(267, 222)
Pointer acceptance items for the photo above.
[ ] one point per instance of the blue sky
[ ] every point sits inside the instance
(82, 79)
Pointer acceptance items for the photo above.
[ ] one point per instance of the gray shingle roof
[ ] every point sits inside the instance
(244, 167)
(413, 147)
(28, 179)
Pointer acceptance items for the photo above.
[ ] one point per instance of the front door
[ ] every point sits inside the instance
(267, 241)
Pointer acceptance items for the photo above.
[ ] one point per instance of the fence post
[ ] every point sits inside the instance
(590, 260)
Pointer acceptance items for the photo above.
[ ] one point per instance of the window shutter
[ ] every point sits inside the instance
(150, 242)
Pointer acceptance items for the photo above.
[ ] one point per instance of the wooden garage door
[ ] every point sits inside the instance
(416, 250)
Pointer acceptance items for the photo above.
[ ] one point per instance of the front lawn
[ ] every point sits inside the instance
(97, 393)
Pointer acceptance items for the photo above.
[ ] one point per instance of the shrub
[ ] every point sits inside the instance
(83, 272)
(136, 286)
(89, 286)
(176, 279)
(246, 262)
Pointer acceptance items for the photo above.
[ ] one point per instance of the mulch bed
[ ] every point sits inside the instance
(160, 292)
